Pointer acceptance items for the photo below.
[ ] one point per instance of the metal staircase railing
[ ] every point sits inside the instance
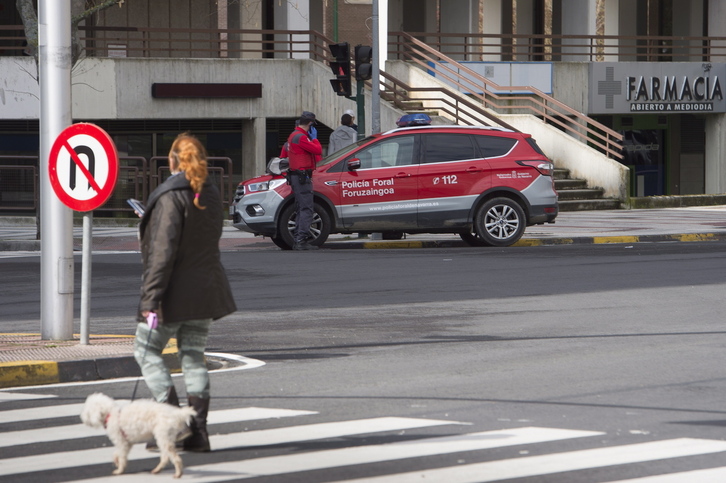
(456, 106)
(479, 88)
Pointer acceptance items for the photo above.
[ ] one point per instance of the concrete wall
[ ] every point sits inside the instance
(569, 84)
(19, 91)
(121, 89)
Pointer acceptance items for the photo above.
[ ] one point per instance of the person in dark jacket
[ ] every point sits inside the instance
(343, 136)
(184, 286)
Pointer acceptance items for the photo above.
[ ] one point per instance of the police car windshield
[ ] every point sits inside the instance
(342, 152)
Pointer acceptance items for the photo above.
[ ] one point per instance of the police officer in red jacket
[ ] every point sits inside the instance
(303, 152)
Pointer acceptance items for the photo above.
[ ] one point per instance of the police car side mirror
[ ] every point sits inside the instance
(353, 164)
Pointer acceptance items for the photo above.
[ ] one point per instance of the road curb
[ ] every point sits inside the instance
(41, 372)
(531, 242)
(19, 245)
(37, 373)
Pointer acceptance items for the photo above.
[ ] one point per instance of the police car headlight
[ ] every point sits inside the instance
(264, 186)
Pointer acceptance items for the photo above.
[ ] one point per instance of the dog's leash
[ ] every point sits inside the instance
(152, 323)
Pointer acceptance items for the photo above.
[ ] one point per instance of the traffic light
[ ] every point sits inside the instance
(341, 68)
(363, 67)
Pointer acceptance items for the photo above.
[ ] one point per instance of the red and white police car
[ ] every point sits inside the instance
(485, 184)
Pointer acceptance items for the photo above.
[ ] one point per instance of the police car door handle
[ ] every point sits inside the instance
(331, 183)
(403, 175)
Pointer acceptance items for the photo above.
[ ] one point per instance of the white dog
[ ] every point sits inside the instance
(138, 422)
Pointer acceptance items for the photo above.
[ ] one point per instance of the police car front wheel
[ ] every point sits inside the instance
(319, 228)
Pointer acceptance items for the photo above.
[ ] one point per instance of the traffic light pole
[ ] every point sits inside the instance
(360, 101)
(376, 77)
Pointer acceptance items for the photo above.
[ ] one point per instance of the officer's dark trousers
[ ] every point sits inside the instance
(303, 191)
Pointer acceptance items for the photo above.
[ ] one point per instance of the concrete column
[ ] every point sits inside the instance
(491, 23)
(254, 138)
(294, 16)
(579, 19)
(716, 123)
(716, 25)
(242, 16)
(715, 153)
(612, 27)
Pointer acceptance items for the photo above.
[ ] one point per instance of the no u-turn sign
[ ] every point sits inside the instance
(83, 166)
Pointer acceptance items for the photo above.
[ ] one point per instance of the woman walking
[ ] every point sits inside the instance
(184, 286)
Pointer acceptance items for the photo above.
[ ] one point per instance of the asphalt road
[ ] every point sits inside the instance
(621, 342)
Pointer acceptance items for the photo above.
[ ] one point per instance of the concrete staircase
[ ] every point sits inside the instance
(574, 195)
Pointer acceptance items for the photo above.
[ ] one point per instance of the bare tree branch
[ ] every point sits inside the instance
(30, 24)
(29, 16)
(96, 8)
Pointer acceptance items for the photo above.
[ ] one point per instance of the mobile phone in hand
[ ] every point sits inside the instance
(137, 206)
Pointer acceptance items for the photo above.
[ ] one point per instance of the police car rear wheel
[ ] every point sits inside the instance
(319, 228)
(500, 222)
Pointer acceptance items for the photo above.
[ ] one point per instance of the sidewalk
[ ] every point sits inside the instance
(27, 360)
(701, 223)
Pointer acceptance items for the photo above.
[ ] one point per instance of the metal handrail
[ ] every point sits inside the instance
(459, 107)
(137, 177)
(159, 171)
(541, 47)
(538, 103)
(463, 46)
(207, 43)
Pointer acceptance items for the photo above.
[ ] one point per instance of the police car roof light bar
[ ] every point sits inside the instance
(419, 119)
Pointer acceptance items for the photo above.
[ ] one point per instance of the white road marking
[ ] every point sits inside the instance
(317, 460)
(559, 462)
(711, 475)
(18, 396)
(78, 431)
(70, 459)
(248, 362)
(46, 412)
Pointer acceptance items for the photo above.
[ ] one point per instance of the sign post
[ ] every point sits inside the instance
(56, 226)
(83, 169)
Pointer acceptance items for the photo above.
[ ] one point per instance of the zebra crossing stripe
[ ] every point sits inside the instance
(560, 462)
(359, 455)
(78, 431)
(16, 396)
(46, 412)
(711, 475)
(70, 459)
(311, 432)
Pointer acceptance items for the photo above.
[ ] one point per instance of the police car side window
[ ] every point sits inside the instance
(494, 146)
(397, 151)
(440, 148)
